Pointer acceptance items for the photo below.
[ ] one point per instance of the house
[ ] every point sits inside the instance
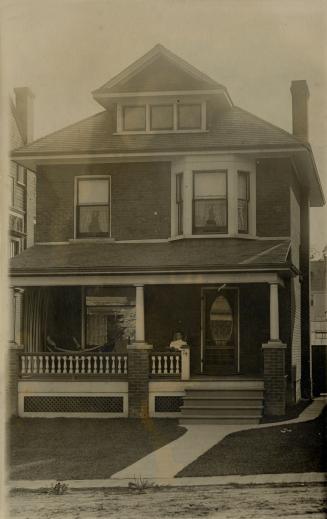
(319, 324)
(170, 210)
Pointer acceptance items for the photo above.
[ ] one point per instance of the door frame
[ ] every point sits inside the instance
(220, 288)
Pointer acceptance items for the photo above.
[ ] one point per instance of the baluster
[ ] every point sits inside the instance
(107, 364)
(119, 365)
(58, 364)
(101, 364)
(65, 364)
(71, 364)
(171, 365)
(53, 366)
(23, 365)
(83, 364)
(34, 364)
(177, 364)
(113, 366)
(95, 365)
(76, 364)
(165, 365)
(47, 363)
(153, 364)
(89, 364)
(125, 364)
(41, 364)
(159, 365)
(29, 365)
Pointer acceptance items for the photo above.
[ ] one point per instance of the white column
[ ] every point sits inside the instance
(274, 312)
(139, 327)
(12, 312)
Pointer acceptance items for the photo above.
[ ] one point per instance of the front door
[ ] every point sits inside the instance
(220, 331)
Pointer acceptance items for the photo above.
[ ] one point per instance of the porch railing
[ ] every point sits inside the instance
(171, 364)
(77, 364)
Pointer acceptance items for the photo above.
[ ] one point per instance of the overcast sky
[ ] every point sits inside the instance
(64, 49)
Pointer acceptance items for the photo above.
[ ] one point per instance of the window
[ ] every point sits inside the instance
(12, 191)
(134, 118)
(162, 117)
(210, 202)
(14, 248)
(20, 175)
(189, 117)
(93, 209)
(243, 201)
(179, 202)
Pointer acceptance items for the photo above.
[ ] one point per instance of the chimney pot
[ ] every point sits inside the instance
(24, 111)
(300, 97)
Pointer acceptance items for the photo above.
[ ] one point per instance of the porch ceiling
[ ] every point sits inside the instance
(191, 255)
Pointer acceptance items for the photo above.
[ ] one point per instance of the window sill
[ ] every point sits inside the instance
(91, 240)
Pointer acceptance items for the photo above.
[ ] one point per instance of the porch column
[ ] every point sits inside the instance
(274, 362)
(13, 356)
(139, 363)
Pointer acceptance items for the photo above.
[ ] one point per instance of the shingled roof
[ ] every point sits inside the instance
(180, 255)
(234, 129)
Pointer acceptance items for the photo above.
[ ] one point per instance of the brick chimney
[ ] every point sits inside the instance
(24, 111)
(300, 97)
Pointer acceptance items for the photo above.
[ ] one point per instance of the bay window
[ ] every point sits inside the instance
(210, 202)
(243, 198)
(93, 207)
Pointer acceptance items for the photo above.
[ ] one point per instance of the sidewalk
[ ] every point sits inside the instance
(173, 457)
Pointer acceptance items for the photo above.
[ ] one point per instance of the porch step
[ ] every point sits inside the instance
(223, 405)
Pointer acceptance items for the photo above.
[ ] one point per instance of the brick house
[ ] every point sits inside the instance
(171, 210)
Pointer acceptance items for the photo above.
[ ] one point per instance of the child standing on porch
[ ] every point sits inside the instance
(177, 343)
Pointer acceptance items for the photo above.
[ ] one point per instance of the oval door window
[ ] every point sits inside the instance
(221, 320)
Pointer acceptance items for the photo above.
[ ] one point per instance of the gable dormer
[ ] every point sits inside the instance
(161, 93)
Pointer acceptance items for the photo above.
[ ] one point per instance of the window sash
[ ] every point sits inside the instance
(161, 126)
(136, 126)
(93, 215)
(179, 202)
(210, 216)
(196, 124)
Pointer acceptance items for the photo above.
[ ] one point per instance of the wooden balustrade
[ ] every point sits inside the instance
(75, 364)
(165, 363)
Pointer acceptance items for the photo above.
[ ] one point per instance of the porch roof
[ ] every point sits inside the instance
(200, 255)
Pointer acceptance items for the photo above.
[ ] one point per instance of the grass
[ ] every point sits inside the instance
(62, 449)
(292, 448)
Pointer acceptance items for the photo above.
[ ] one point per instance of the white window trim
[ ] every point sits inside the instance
(23, 184)
(232, 164)
(91, 177)
(174, 103)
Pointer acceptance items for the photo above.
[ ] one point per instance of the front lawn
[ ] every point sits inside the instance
(73, 448)
(300, 447)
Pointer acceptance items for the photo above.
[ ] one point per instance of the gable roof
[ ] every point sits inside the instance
(158, 69)
(179, 255)
(234, 129)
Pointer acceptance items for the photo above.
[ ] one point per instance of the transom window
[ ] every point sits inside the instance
(243, 198)
(210, 202)
(93, 207)
(134, 118)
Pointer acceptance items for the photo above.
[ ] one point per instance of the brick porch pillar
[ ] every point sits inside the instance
(139, 364)
(14, 349)
(274, 362)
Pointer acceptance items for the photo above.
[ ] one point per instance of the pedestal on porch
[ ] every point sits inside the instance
(274, 378)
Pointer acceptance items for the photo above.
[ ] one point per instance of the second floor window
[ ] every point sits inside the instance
(243, 201)
(93, 207)
(179, 202)
(134, 118)
(210, 202)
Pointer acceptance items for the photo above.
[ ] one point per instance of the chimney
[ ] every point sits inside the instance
(24, 111)
(300, 97)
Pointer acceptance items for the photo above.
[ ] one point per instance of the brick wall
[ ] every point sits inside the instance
(274, 380)
(273, 199)
(138, 383)
(140, 195)
(12, 380)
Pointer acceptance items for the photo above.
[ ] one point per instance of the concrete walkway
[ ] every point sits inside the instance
(167, 461)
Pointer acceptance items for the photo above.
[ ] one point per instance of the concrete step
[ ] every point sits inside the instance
(222, 401)
(220, 420)
(224, 383)
(224, 393)
(189, 411)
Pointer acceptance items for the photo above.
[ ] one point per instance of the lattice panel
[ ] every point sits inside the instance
(73, 404)
(168, 404)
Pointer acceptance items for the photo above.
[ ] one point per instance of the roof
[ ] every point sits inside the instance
(233, 129)
(179, 255)
(141, 75)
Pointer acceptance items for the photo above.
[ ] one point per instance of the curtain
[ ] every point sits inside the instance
(36, 302)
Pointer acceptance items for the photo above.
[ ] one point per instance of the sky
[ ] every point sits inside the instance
(64, 49)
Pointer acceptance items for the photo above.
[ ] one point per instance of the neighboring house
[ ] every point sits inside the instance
(171, 210)
(319, 324)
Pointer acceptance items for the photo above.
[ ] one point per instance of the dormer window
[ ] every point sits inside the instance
(161, 116)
